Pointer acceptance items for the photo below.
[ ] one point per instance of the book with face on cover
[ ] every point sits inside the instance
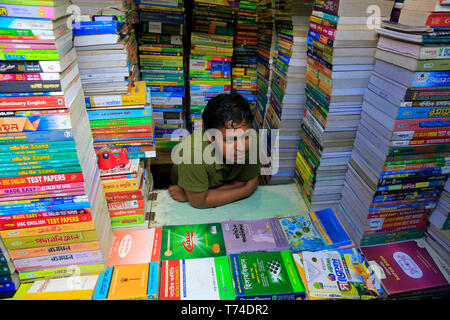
(192, 241)
(253, 235)
(135, 246)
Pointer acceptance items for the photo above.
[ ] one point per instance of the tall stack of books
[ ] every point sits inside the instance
(287, 99)
(54, 216)
(213, 29)
(341, 47)
(245, 45)
(9, 278)
(161, 54)
(399, 164)
(437, 235)
(126, 188)
(265, 51)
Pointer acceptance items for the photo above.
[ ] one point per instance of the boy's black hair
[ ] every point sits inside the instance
(225, 107)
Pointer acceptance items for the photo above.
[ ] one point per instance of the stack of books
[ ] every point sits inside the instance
(399, 164)
(341, 47)
(437, 235)
(407, 270)
(211, 50)
(265, 51)
(54, 216)
(9, 278)
(245, 47)
(126, 189)
(161, 53)
(107, 55)
(287, 100)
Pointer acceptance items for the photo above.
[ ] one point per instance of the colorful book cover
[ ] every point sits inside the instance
(129, 282)
(135, 246)
(404, 267)
(300, 233)
(340, 274)
(192, 241)
(253, 235)
(266, 275)
(330, 229)
(69, 288)
(196, 279)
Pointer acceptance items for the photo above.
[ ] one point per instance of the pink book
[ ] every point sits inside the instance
(135, 246)
(404, 267)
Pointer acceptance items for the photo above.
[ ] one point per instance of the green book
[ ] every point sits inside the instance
(266, 275)
(192, 241)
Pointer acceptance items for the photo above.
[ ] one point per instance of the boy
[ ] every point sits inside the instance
(231, 176)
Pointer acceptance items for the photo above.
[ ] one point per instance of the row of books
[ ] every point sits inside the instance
(287, 100)
(161, 31)
(50, 186)
(341, 47)
(220, 261)
(399, 164)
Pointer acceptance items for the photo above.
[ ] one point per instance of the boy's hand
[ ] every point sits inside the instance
(177, 193)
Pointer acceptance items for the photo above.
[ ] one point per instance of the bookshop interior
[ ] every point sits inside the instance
(101, 197)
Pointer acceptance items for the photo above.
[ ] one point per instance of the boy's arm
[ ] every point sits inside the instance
(217, 197)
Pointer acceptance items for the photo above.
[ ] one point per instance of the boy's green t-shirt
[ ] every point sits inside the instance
(204, 176)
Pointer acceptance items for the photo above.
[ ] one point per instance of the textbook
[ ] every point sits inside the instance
(135, 246)
(266, 276)
(341, 274)
(192, 241)
(253, 235)
(128, 282)
(318, 231)
(196, 279)
(405, 268)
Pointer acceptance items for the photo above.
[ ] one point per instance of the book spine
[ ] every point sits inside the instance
(421, 124)
(32, 103)
(47, 230)
(127, 220)
(17, 224)
(119, 186)
(126, 212)
(52, 250)
(35, 137)
(119, 114)
(43, 191)
(43, 180)
(42, 215)
(123, 205)
(16, 23)
(65, 271)
(51, 239)
(29, 76)
(26, 11)
(438, 19)
(124, 196)
(58, 261)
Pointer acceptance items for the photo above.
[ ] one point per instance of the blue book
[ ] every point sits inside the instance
(330, 229)
(95, 27)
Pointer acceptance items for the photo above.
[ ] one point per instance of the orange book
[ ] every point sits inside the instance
(129, 282)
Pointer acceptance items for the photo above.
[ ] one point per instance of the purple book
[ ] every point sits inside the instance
(404, 267)
(253, 235)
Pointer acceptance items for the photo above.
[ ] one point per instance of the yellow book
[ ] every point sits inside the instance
(68, 288)
(59, 228)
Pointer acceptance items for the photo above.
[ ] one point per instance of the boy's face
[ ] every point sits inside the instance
(235, 142)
